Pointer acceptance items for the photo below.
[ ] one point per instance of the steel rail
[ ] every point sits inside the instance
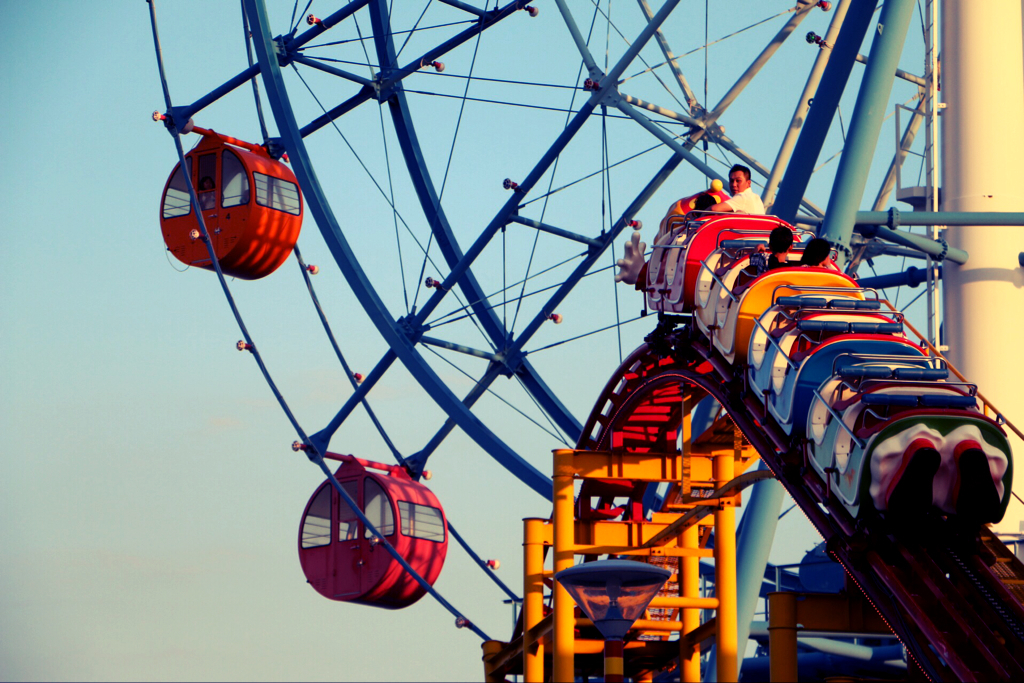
(900, 577)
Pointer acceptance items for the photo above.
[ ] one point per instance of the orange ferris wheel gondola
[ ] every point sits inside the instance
(250, 202)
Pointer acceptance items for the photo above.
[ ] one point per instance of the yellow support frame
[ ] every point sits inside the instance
(664, 535)
(675, 533)
(789, 613)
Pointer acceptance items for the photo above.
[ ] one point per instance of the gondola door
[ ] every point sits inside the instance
(315, 542)
(377, 506)
(206, 188)
(348, 554)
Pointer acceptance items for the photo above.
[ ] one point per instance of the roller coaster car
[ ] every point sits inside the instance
(342, 559)
(684, 245)
(728, 313)
(892, 431)
(795, 342)
(881, 423)
(252, 232)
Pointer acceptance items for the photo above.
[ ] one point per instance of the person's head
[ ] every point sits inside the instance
(739, 179)
(780, 240)
(815, 253)
(703, 202)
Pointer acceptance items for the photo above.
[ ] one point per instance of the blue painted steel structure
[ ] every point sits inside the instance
(313, 454)
(823, 109)
(872, 101)
(911, 277)
(400, 343)
(508, 357)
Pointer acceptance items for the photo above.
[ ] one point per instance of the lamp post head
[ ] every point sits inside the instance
(613, 593)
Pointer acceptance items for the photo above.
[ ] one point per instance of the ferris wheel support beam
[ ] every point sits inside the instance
(982, 148)
(322, 439)
(669, 140)
(577, 37)
(183, 114)
(400, 344)
(866, 125)
(384, 87)
(325, 24)
(819, 117)
(802, 9)
(333, 70)
(716, 134)
(591, 258)
(804, 103)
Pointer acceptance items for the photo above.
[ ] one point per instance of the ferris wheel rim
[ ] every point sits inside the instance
(402, 345)
(402, 335)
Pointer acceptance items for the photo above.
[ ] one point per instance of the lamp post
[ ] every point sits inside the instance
(613, 594)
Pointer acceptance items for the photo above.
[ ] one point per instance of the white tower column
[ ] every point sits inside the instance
(983, 170)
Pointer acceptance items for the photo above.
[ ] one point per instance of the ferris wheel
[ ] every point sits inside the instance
(473, 170)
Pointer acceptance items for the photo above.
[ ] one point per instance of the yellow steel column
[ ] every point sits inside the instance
(689, 577)
(725, 576)
(564, 542)
(782, 664)
(689, 587)
(533, 598)
(491, 648)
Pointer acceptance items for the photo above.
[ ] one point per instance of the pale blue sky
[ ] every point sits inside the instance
(150, 501)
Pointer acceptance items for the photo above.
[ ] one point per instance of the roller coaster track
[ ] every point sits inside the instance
(952, 597)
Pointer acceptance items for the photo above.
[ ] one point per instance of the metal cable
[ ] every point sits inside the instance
(551, 180)
(255, 85)
(581, 336)
(393, 33)
(448, 165)
(492, 392)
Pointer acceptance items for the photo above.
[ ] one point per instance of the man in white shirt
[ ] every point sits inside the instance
(743, 199)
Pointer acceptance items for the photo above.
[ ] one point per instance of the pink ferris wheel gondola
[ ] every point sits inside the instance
(344, 560)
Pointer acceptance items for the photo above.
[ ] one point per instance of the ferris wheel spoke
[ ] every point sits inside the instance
(548, 401)
(441, 229)
(322, 439)
(577, 37)
(669, 140)
(379, 13)
(591, 258)
(670, 58)
(495, 369)
(391, 75)
(418, 460)
(577, 121)
(334, 71)
(431, 206)
(326, 23)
